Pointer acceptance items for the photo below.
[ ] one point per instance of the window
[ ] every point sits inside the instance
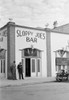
(64, 67)
(31, 52)
(38, 53)
(23, 64)
(33, 65)
(38, 65)
(59, 67)
(2, 66)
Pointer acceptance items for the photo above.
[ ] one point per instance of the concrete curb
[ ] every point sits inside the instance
(10, 83)
(24, 84)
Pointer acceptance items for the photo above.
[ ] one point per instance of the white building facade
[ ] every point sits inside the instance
(60, 49)
(37, 49)
(3, 52)
(30, 49)
(27, 45)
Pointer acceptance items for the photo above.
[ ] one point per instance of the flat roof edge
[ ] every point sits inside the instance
(59, 32)
(15, 25)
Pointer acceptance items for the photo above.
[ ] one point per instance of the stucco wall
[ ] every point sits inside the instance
(25, 37)
(3, 38)
(3, 45)
(58, 41)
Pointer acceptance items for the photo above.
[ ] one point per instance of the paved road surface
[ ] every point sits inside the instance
(44, 91)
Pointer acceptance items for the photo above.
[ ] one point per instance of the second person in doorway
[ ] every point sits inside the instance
(20, 70)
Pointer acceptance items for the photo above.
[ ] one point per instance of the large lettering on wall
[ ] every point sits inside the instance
(30, 36)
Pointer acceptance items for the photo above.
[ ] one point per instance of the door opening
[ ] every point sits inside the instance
(27, 67)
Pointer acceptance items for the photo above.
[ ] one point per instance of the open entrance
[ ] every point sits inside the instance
(31, 60)
(28, 67)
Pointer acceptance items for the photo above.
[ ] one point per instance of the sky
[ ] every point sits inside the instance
(35, 13)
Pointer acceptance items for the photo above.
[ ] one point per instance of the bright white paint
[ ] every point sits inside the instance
(21, 43)
(3, 42)
(58, 41)
(3, 45)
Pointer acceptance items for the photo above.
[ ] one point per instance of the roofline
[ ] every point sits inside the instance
(15, 25)
(61, 26)
(9, 23)
(3, 27)
(59, 32)
(54, 29)
(42, 29)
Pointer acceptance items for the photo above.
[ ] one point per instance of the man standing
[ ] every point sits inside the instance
(13, 70)
(20, 70)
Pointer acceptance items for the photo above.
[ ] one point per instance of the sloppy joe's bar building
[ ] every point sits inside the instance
(26, 44)
(33, 47)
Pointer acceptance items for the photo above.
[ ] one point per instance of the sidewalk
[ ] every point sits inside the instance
(26, 81)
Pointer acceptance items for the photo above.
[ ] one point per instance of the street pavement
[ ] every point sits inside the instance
(26, 81)
(44, 91)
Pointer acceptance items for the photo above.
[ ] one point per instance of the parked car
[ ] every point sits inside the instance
(62, 76)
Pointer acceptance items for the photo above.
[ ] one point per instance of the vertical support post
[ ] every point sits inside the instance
(10, 46)
(36, 67)
(48, 48)
(56, 61)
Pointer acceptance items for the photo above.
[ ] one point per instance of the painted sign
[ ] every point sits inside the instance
(62, 61)
(30, 35)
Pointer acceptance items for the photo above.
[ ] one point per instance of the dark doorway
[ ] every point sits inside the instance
(27, 67)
